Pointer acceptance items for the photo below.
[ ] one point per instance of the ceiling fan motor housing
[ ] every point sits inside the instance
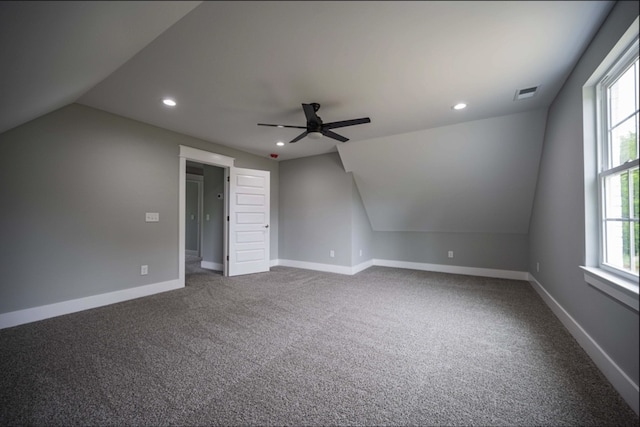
(314, 125)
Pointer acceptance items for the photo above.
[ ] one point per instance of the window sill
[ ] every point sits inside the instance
(625, 291)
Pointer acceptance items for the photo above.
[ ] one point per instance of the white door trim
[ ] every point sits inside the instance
(208, 158)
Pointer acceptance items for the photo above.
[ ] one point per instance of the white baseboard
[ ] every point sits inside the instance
(211, 265)
(329, 268)
(361, 267)
(274, 262)
(469, 271)
(34, 314)
(454, 269)
(618, 378)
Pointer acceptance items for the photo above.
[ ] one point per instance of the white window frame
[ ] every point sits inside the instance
(615, 72)
(618, 284)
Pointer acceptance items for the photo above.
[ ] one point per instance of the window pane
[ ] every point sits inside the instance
(634, 194)
(623, 145)
(637, 68)
(634, 248)
(614, 255)
(616, 189)
(621, 245)
(618, 145)
(622, 96)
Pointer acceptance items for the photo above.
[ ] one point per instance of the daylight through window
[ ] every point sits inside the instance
(618, 172)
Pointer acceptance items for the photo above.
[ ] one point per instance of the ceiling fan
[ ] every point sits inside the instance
(315, 128)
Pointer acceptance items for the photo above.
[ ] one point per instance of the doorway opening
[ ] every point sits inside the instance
(194, 210)
(246, 204)
(204, 219)
(212, 246)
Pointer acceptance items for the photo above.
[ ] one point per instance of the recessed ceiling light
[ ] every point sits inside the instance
(169, 102)
(279, 143)
(459, 106)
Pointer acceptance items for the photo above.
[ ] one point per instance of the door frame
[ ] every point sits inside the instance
(207, 158)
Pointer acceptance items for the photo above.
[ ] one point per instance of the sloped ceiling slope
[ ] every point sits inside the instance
(233, 64)
(53, 52)
(419, 165)
(478, 176)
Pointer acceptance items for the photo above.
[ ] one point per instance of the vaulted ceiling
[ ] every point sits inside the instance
(232, 64)
(52, 53)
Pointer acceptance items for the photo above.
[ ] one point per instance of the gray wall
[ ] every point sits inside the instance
(75, 185)
(212, 240)
(317, 198)
(479, 250)
(474, 177)
(557, 229)
(361, 232)
(315, 210)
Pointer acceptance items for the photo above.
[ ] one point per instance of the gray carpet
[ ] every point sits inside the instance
(192, 266)
(295, 347)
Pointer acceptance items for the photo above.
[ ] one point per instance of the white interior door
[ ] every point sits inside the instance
(248, 221)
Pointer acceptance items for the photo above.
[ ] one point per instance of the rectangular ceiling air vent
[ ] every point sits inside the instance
(526, 93)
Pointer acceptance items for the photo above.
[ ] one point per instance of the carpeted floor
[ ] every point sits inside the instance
(296, 347)
(192, 266)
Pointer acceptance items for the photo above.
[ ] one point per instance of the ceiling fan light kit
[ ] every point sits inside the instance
(315, 128)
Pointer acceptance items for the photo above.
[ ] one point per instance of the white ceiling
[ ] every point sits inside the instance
(419, 165)
(53, 52)
(231, 65)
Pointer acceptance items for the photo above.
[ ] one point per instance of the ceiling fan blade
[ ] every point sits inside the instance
(334, 135)
(299, 137)
(282, 126)
(310, 113)
(344, 123)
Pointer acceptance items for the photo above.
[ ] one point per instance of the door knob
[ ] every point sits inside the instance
(266, 226)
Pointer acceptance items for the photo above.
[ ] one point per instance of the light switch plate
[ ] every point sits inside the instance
(152, 217)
